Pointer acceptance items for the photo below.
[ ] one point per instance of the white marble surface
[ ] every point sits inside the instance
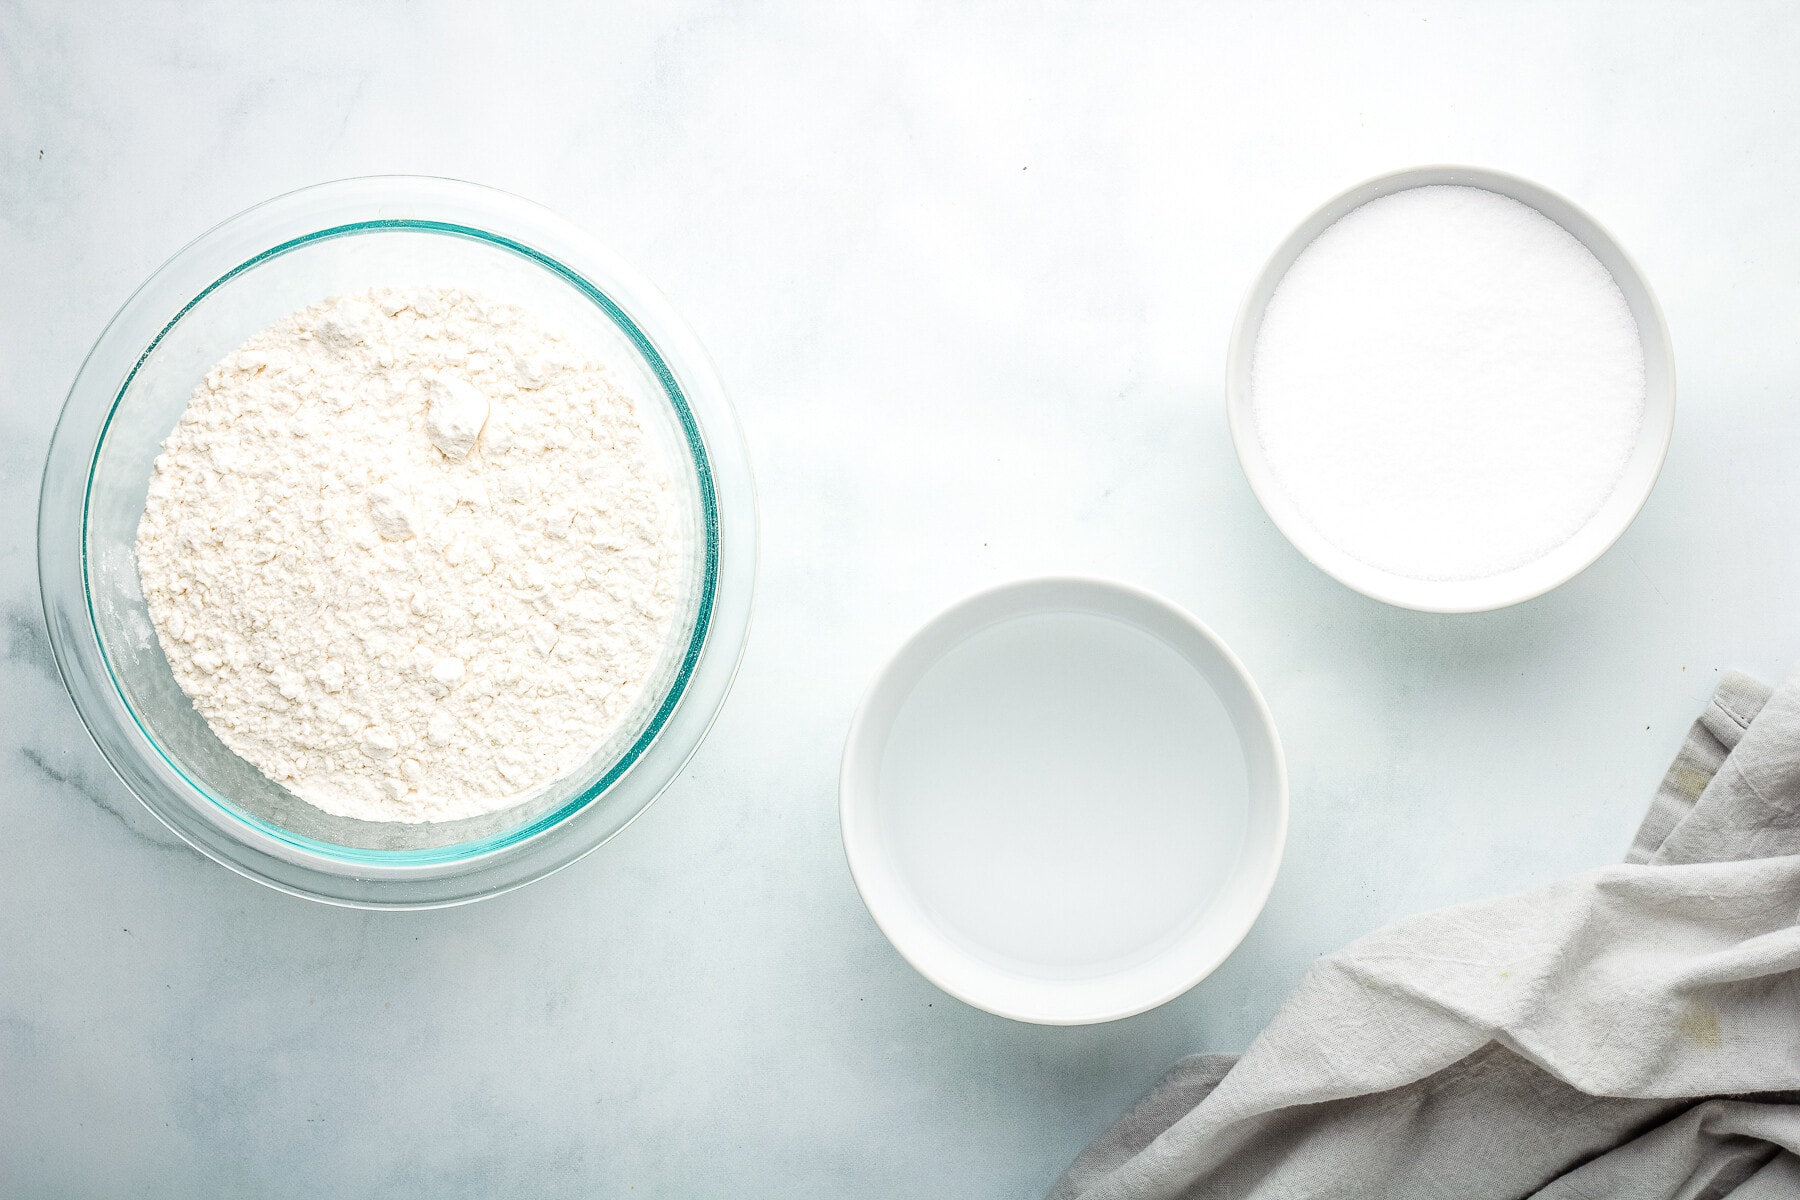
(968, 271)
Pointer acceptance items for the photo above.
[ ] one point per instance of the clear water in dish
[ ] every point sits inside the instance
(1064, 793)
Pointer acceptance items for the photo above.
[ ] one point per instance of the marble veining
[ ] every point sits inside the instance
(968, 272)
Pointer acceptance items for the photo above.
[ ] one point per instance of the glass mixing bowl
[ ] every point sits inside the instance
(257, 267)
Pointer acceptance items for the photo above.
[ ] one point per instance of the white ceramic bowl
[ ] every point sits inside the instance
(1533, 578)
(1064, 801)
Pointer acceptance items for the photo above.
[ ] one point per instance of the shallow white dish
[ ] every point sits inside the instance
(1532, 578)
(1064, 801)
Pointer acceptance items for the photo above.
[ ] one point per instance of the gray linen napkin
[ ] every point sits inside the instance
(1631, 1032)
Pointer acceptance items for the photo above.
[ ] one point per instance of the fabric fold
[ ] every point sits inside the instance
(1514, 1047)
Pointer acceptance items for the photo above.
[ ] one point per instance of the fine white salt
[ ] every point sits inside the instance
(1447, 384)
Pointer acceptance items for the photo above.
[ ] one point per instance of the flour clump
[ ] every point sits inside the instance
(412, 555)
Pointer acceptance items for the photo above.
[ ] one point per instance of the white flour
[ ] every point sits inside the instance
(1447, 384)
(410, 555)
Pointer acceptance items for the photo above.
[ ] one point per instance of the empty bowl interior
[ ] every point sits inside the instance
(263, 290)
(1064, 801)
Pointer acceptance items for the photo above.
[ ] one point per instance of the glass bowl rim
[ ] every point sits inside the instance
(678, 364)
(457, 851)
